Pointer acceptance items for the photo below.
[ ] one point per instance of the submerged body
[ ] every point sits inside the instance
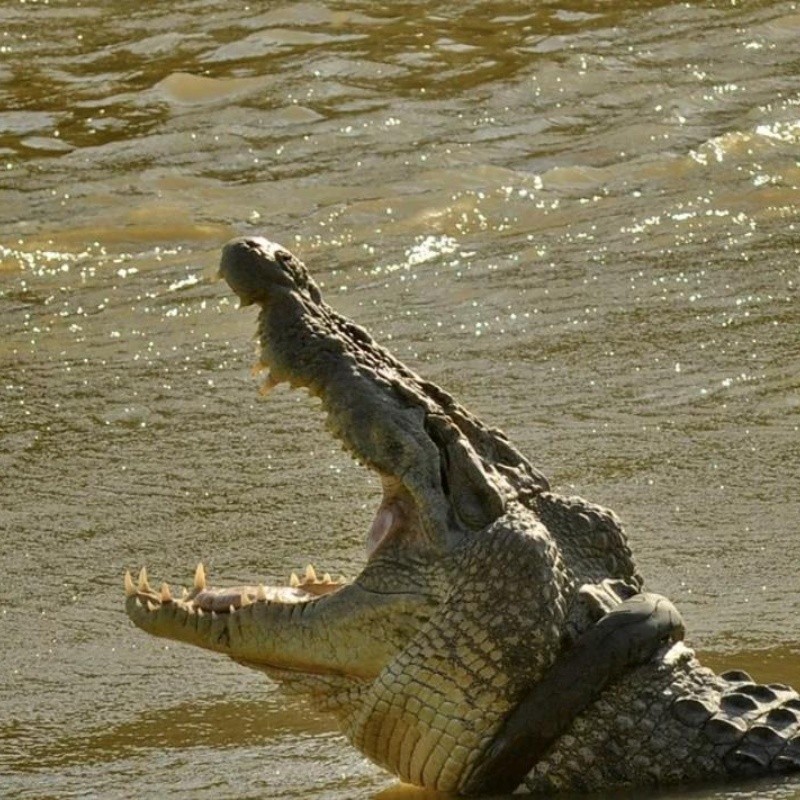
(480, 646)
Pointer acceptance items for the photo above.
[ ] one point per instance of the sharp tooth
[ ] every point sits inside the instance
(144, 586)
(326, 578)
(184, 592)
(200, 578)
(130, 588)
(166, 594)
(246, 599)
(341, 579)
(311, 576)
(151, 606)
(261, 593)
(231, 609)
(294, 581)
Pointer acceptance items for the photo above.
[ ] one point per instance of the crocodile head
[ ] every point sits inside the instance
(463, 599)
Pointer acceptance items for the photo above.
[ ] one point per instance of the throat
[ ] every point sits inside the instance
(388, 521)
(397, 521)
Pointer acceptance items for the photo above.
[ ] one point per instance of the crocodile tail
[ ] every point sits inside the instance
(754, 728)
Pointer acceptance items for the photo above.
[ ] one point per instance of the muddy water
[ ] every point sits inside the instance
(581, 218)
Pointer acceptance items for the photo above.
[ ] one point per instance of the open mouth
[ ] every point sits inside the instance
(394, 515)
(304, 343)
(201, 606)
(445, 477)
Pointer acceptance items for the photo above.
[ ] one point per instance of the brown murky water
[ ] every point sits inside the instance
(580, 217)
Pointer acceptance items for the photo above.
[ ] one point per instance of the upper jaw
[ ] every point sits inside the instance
(450, 467)
(370, 399)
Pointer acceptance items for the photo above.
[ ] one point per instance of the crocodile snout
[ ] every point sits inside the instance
(254, 268)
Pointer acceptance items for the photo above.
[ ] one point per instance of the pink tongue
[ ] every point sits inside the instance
(381, 527)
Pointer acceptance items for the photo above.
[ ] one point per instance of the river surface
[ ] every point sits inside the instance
(582, 218)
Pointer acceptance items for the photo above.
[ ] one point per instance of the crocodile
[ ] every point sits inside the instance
(499, 636)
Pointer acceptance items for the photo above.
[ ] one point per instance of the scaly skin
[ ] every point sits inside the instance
(497, 628)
